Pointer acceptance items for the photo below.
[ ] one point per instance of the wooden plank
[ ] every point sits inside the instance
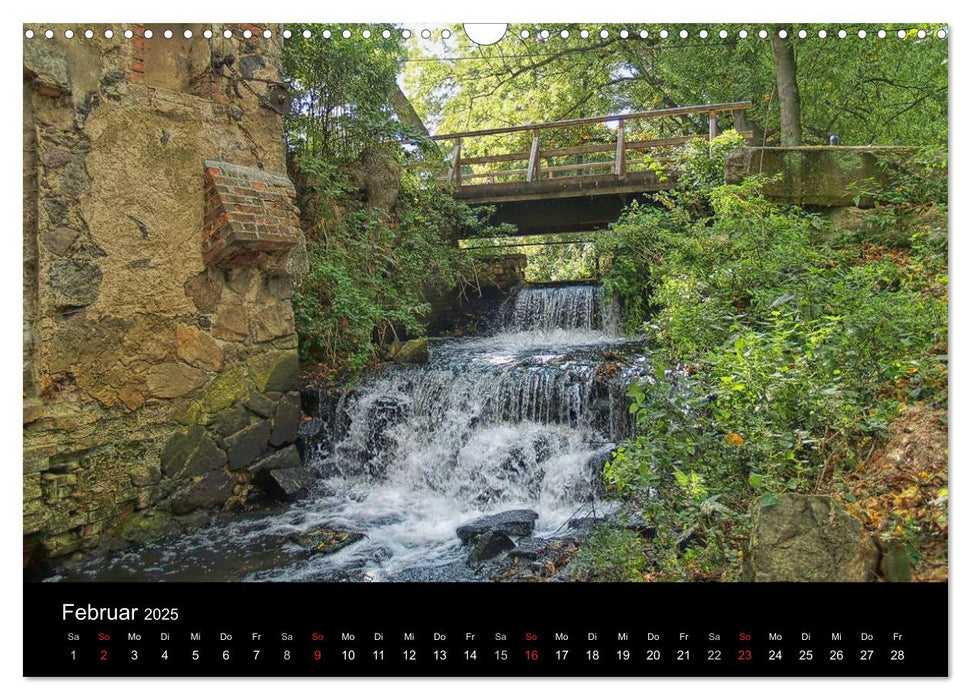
(578, 166)
(533, 167)
(554, 169)
(496, 173)
(653, 114)
(574, 188)
(501, 158)
(589, 148)
(547, 169)
(620, 159)
(608, 147)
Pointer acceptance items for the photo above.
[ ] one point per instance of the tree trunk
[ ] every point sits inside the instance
(785, 75)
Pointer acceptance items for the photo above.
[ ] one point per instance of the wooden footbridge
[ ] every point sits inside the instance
(554, 177)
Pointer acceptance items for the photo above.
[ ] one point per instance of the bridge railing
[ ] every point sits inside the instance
(634, 142)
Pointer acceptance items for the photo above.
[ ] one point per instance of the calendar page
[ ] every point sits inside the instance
(528, 349)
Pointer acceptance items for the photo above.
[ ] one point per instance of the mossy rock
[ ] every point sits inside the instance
(274, 371)
(145, 526)
(229, 387)
(413, 352)
(322, 540)
(808, 538)
(191, 452)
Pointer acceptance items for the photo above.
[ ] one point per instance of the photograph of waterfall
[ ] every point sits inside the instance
(581, 304)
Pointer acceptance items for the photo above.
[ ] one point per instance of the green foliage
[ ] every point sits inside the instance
(370, 270)
(792, 345)
(919, 181)
(612, 554)
(341, 89)
(866, 90)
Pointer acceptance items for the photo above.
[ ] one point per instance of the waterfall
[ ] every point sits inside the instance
(521, 418)
(561, 306)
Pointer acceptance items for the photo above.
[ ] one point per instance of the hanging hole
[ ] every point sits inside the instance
(487, 34)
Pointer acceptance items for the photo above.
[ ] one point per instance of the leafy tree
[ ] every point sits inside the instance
(869, 90)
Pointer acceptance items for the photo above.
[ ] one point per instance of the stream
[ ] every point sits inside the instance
(521, 417)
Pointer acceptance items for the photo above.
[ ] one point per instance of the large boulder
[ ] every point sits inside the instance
(289, 483)
(829, 176)
(808, 538)
(413, 352)
(489, 546)
(378, 174)
(512, 523)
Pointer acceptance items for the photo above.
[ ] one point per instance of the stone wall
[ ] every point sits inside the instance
(160, 362)
(474, 307)
(824, 176)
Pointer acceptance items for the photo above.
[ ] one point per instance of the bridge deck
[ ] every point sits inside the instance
(555, 187)
(561, 188)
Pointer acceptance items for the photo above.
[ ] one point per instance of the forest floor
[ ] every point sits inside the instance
(900, 493)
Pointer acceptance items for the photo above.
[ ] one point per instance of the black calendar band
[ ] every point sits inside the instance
(541, 630)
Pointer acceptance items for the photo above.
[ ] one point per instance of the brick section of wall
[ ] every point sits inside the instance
(250, 216)
(136, 69)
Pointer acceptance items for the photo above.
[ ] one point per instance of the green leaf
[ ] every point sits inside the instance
(755, 480)
(769, 499)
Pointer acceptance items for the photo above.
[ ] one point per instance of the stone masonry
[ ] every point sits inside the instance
(160, 241)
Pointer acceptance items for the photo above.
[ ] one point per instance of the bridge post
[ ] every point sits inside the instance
(712, 125)
(532, 172)
(620, 159)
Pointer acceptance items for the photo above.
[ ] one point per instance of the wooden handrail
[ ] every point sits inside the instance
(535, 168)
(653, 114)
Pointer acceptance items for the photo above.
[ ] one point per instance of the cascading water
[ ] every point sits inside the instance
(523, 418)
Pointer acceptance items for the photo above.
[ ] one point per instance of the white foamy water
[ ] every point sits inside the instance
(519, 419)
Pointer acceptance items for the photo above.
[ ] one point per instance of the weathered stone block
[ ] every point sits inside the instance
(229, 421)
(198, 348)
(287, 458)
(59, 240)
(32, 488)
(171, 379)
(275, 371)
(33, 410)
(150, 338)
(248, 444)
(287, 420)
(272, 321)
(261, 405)
(190, 453)
(205, 290)
(816, 175)
(808, 538)
(74, 283)
(231, 322)
(210, 491)
(229, 387)
(289, 484)
(46, 67)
